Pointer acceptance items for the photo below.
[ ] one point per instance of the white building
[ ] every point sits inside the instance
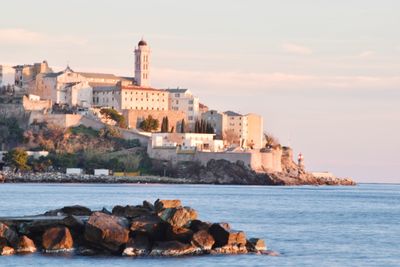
(187, 141)
(142, 64)
(184, 100)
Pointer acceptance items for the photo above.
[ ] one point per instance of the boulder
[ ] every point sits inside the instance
(9, 235)
(70, 210)
(36, 228)
(139, 245)
(203, 240)
(107, 231)
(178, 217)
(26, 245)
(224, 236)
(166, 204)
(57, 239)
(180, 234)
(129, 211)
(148, 205)
(255, 244)
(197, 225)
(152, 225)
(6, 251)
(173, 248)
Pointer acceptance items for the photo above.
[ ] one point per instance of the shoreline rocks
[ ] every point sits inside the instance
(226, 174)
(163, 229)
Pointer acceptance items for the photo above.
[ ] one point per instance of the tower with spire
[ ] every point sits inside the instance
(142, 64)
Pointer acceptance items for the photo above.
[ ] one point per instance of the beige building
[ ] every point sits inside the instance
(240, 130)
(184, 100)
(132, 97)
(25, 75)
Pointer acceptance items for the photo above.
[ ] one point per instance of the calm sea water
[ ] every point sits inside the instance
(308, 226)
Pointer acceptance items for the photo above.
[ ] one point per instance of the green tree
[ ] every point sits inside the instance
(164, 125)
(10, 132)
(17, 158)
(183, 126)
(115, 116)
(149, 124)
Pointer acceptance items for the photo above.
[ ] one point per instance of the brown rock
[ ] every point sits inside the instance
(70, 210)
(203, 240)
(26, 245)
(107, 231)
(178, 217)
(167, 204)
(6, 251)
(255, 244)
(173, 248)
(130, 211)
(9, 235)
(139, 245)
(57, 238)
(180, 234)
(224, 237)
(152, 225)
(197, 225)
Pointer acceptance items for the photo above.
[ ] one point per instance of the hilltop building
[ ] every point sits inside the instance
(239, 130)
(184, 100)
(25, 75)
(142, 64)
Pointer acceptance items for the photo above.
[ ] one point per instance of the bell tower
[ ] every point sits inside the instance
(142, 62)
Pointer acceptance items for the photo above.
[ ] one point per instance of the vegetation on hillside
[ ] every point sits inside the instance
(115, 116)
(150, 124)
(10, 133)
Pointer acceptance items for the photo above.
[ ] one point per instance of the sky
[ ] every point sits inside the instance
(325, 75)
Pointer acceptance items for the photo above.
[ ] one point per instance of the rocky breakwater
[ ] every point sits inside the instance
(165, 228)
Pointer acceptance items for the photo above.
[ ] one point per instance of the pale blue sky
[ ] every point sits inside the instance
(324, 74)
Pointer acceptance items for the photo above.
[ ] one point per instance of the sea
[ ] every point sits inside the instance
(307, 225)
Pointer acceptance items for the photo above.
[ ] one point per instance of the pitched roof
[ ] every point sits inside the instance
(53, 74)
(176, 90)
(232, 113)
(98, 75)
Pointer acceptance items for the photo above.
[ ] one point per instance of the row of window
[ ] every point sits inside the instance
(141, 99)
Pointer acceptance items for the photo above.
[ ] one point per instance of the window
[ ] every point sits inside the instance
(190, 101)
(177, 101)
(190, 108)
(190, 118)
(176, 95)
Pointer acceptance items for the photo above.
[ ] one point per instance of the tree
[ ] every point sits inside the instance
(164, 125)
(183, 126)
(202, 126)
(231, 137)
(18, 158)
(10, 132)
(115, 116)
(270, 141)
(149, 124)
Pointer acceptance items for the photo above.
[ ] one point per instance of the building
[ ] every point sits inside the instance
(218, 121)
(132, 97)
(184, 100)
(186, 142)
(25, 75)
(142, 64)
(236, 129)
(74, 88)
(7, 75)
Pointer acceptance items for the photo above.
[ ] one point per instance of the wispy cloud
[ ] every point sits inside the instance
(238, 82)
(296, 49)
(366, 54)
(19, 36)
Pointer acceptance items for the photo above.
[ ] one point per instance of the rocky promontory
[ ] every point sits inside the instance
(165, 228)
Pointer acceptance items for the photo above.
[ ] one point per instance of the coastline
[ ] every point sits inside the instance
(263, 179)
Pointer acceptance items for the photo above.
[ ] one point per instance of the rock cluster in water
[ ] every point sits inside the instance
(165, 228)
